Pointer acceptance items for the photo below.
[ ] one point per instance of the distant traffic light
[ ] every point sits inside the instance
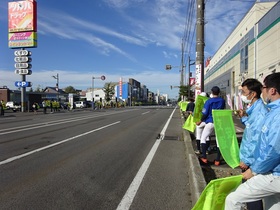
(168, 67)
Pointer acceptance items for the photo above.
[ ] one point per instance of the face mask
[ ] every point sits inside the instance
(245, 99)
(265, 100)
(211, 95)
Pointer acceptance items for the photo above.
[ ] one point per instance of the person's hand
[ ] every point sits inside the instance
(242, 113)
(247, 174)
(243, 166)
(198, 123)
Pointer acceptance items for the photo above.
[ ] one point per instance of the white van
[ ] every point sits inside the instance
(80, 104)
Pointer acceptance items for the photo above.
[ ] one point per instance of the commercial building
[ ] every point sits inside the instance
(252, 50)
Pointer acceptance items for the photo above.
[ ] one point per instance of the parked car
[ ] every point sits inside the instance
(13, 105)
(80, 104)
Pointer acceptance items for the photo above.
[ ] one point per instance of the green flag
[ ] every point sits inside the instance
(226, 136)
(214, 195)
(189, 124)
(199, 103)
(183, 105)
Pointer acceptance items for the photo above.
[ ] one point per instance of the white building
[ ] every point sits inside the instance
(252, 50)
(97, 93)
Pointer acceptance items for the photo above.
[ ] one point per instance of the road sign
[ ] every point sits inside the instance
(103, 77)
(23, 84)
(22, 53)
(23, 66)
(23, 59)
(23, 71)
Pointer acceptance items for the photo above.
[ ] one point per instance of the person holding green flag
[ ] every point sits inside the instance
(263, 176)
(206, 126)
(252, 119)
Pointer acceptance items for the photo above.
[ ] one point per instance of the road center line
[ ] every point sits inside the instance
(145, 112)
(54, 144)
(135, 184)
(50, 123)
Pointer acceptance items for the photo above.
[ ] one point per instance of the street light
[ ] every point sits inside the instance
(57, 85)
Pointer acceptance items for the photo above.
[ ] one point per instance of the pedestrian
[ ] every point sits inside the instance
(252, 118)
(2, 106)
(35, 107)
(51, 105)
(263, 176)
(206, 126)
(190, 106)
(44, 104)
(198, 132)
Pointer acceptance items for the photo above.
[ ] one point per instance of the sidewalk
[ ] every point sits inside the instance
(200, 175)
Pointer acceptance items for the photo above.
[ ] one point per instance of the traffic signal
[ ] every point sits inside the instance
(168, 67)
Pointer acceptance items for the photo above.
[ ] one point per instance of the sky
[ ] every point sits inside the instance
(135, 39)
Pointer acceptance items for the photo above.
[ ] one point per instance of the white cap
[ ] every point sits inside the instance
(203, 94)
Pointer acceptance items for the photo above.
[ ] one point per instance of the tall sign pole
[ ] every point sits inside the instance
(200, 47)
(22, 28)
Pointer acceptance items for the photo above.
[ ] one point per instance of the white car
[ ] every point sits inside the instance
(80, 104)
(13, 105)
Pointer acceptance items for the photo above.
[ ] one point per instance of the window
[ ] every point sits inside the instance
(244, 55)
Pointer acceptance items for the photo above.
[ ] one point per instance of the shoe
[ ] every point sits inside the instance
(207, 152)
(203, 160)
(197, 152)
(217, 162)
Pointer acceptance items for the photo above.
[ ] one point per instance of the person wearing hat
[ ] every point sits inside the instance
(206, 125)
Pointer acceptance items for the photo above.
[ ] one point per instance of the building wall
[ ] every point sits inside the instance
(256, 42)
(4, 94)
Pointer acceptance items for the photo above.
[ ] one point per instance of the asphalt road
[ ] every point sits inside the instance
(88, 160)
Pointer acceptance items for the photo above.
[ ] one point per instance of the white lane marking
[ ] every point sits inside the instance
(54, 144)
(145, 112)
(51, 123)
(135, 184)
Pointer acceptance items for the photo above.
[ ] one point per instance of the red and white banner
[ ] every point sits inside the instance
(22, 16)
(192, 81)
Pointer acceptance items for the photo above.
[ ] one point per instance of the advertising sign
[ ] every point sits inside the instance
(197, 79)
(192, 81)
(120, 87)
(22, 40)
(22, 16)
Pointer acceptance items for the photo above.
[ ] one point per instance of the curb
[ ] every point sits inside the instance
(196, 177)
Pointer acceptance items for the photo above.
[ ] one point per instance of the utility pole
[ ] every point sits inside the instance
(57, 85)
(182, 83)
(200, 46)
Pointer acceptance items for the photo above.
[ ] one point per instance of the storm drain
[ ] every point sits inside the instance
(171, 138)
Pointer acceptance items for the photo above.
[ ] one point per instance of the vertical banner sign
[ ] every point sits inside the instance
(120, 87)
(197, 79)
(22, 16)
(229, 101)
